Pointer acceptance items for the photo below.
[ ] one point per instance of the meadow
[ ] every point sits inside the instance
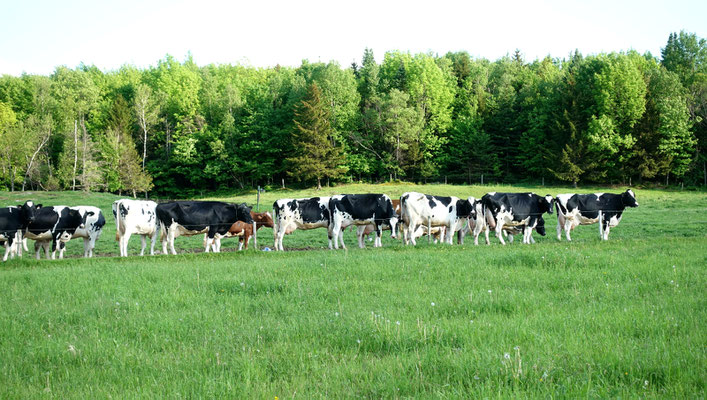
(623, 318)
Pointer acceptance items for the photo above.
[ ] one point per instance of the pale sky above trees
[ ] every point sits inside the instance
(37, 36)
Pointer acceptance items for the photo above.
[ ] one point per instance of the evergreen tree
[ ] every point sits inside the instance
(316, 155)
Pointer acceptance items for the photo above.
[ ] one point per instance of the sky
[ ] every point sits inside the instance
(36, 36)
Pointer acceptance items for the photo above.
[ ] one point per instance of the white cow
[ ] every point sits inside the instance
(135, 217)
(433, 211)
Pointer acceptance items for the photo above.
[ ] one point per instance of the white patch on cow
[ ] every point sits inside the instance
(90, 232)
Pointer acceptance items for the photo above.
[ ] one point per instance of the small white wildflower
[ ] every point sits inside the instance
(645, 383)
(433, 304)
(471, 322)
(516, 348)
(242, 283)
(397, 322)
(490, 291)
(476, 377)
(507, 356)
(358, 341)
(117, 304)
(336, 313)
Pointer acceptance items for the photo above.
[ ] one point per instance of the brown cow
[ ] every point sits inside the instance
(244, 231)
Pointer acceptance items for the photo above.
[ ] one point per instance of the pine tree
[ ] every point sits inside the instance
(316, 153)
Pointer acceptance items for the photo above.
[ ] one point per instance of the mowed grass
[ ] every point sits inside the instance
(623, 318)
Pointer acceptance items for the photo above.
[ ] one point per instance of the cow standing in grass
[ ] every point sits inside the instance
(187, 218)
(522, 210)
(137, 217)
(293, 214)
(361, 210)
(13, 222)
(586, 209)
(244, 231)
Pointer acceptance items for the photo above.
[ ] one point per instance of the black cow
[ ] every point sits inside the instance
(586, 209)
(187, 218)
(55, 224)
(515, 209)
(13, 222)
(361, 209)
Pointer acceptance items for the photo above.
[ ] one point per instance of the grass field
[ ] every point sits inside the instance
(623, 318)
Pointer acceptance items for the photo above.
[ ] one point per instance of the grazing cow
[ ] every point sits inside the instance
(188, 218)
(244, 231)
(135, 217)
(423, 209)
(13, 222)
(55, 225)
(361, 209)
(515, 209)
(293, 214)
(586, 209)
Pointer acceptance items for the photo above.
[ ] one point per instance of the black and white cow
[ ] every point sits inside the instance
(293, 214)
(586, 209)
(13, 222)
(515, 209)
(93, 226)
(432, 211)
(188, 218)
(135, 217)
(361, 209)
(55, 225)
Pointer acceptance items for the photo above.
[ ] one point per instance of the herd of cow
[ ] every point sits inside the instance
(412, 216)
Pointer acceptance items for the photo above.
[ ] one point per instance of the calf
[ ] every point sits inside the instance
(434, 211)
(13, 222)
(135, 217)
(515, 209)
(586, 209)
(187, 218)
(293, 214)
(55, 225)
(361, 209)
(364, 230)
(244, 231)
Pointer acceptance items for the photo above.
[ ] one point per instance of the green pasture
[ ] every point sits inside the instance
(623, 318)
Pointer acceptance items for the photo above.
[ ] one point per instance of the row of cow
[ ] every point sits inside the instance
(412, 215)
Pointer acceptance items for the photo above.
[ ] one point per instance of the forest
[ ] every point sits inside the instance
(176, 128)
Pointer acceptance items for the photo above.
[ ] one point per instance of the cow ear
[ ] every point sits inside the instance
(38, 206)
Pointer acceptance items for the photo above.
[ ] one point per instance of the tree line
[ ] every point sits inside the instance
(177, 128)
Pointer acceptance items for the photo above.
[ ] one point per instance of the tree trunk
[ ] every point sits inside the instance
(83, 156)
(319, 183)
(12, 178)
(574, 184)
(76, 153)
(144, 141)
(31, 160)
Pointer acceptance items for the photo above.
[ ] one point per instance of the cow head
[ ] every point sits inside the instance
(29, 210)
(540, 227)
(628, 199)
(394, 226)
(243, 213)
(84, 218)
(263, 219)
(545, 204)
(465, 208)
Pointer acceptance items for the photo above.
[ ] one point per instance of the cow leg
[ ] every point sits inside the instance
(86, 248)
(601, 226)
(143, 245)
(37, 249)
(153, 239)
(280, 234)
(171, 236)
(8, 246)
(124, 244)
(569, 225)
(411, 232)
(62, 247)
(360, 230)
(499, 232)
(606, 232)
(379, 233)
(560, 225)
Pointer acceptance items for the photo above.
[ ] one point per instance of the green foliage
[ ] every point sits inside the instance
(603, 118)
(317, 155)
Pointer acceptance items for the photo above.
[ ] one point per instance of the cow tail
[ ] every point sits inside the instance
(117, 220)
